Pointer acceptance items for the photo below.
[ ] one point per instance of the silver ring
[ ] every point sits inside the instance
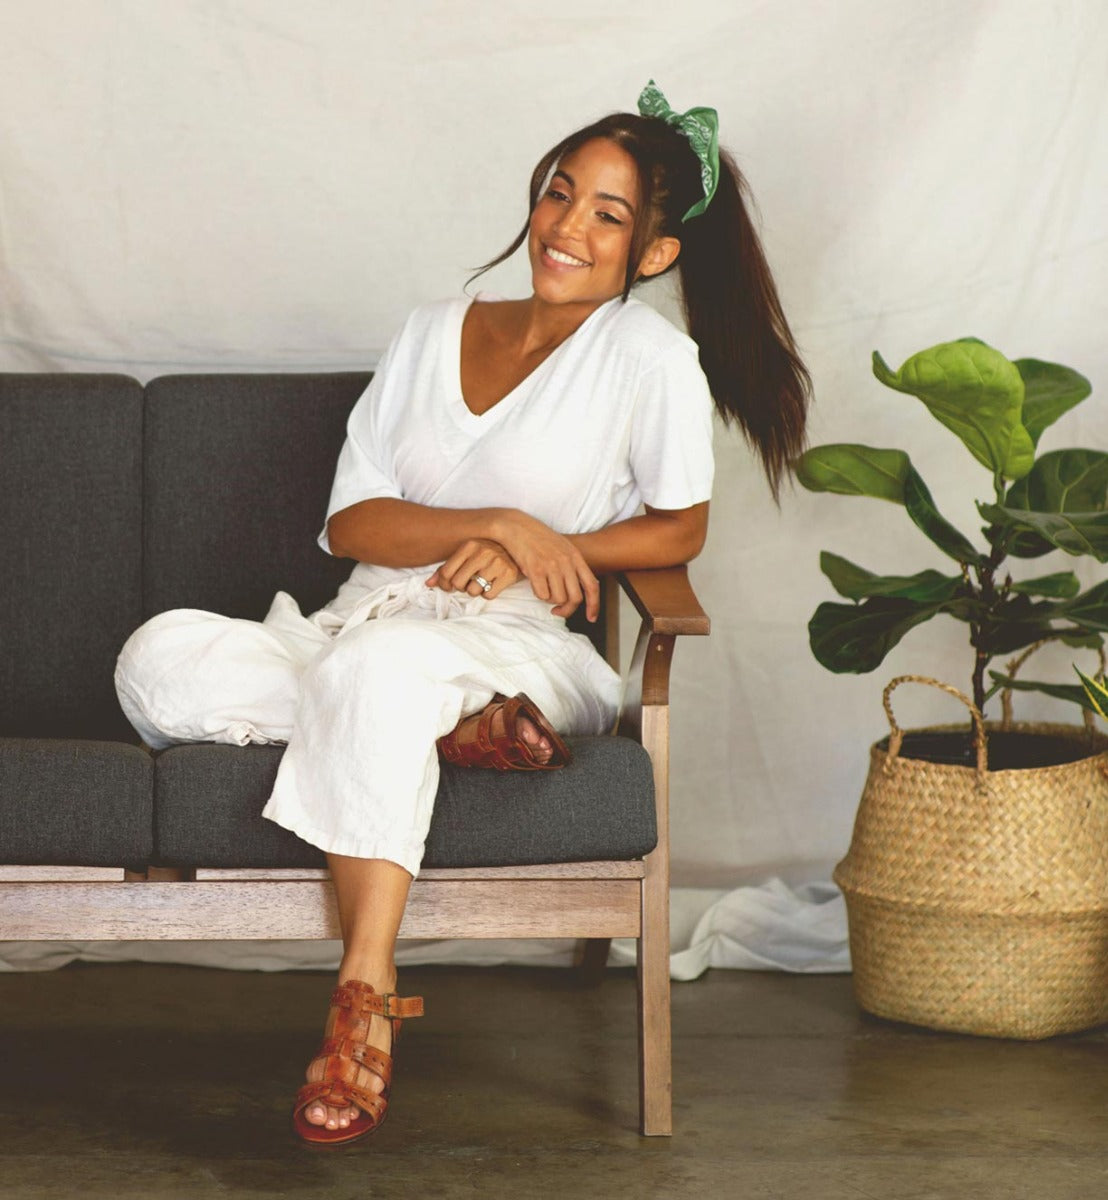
(482, 583)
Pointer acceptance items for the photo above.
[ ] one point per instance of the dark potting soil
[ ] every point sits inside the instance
(1007, 751)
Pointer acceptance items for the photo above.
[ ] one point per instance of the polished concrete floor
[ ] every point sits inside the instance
(153, 1081)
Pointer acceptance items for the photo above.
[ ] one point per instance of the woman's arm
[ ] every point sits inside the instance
(560, 568)
(398, 533)
(658, 538)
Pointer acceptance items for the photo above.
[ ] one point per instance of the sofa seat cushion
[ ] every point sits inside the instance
(208, 803)
(75, 803)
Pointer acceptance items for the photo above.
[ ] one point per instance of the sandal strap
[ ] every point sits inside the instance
(341, 1095)
(344, 1050)
(362, 1000)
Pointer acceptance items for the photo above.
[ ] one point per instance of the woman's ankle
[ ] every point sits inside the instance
(380, 977)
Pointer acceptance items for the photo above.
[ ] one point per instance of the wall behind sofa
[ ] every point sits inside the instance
(259, 184)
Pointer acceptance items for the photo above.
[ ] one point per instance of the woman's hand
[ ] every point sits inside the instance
(477, 556)
(554, 567)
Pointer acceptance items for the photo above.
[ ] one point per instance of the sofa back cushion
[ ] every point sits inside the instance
(70, 550)
(238, 472)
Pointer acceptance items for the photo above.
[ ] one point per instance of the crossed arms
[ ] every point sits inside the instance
(503, 545)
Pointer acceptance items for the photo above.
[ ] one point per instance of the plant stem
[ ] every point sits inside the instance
(990, 598)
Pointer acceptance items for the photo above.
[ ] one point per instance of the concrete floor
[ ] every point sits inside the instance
(152, 1081)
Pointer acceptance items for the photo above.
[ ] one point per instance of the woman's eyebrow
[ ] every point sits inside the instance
(559, 173)
(616, 200)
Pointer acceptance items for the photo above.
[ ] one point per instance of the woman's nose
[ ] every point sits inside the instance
(571, 220)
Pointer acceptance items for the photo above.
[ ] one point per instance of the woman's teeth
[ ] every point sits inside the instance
(568, 259)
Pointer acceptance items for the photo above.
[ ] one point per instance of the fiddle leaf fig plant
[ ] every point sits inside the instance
(998, 409)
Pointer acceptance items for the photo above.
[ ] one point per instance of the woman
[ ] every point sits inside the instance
(496, 465)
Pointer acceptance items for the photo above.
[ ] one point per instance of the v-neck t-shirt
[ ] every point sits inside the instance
(617, 416)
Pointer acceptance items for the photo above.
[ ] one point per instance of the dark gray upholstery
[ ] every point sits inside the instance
(70, 546)
(81, 803)
(207, 494)
(238, 471)
(208, 801)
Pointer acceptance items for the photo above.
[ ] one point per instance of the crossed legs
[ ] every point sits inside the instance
(188, 676)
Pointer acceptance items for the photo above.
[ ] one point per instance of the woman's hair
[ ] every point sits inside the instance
(731, 305)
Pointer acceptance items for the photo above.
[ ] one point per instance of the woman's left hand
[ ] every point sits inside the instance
(477, 559)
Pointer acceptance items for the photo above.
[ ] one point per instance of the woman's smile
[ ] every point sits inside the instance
(560, 256)
(580, 231)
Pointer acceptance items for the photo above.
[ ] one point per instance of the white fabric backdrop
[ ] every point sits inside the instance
(258, 184)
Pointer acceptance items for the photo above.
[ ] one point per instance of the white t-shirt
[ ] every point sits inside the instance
(618, 415)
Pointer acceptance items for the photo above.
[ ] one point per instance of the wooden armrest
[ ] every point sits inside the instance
(665, 600)
(668, 606)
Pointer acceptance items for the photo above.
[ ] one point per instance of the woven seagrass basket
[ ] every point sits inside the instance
(978, 899)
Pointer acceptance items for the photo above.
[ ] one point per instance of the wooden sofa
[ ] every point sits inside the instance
(118, 501)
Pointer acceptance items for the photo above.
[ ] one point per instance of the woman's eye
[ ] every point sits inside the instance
(610, 218)
(554, 194)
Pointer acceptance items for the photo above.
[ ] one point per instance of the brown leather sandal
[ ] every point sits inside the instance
(345, 1052)
(491, 738)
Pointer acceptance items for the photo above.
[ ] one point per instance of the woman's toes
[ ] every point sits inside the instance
(530, 733)
(316, 1115)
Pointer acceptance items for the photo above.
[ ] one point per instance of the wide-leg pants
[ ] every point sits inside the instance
(360, 706)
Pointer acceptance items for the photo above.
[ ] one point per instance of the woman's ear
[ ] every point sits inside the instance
(660, 254)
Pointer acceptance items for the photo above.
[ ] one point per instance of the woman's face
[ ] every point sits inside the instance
(580, 231)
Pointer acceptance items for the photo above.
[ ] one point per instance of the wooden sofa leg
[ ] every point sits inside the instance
(655, 1036)
(590, 958)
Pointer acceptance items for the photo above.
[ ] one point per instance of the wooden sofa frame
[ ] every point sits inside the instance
(590, 901)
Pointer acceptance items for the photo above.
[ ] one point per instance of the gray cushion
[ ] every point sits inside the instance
(70, 540)
(68, 802)
(239, 469)
(208, 801)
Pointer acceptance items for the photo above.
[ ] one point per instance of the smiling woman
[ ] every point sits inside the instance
(504, 455)
(581, 228)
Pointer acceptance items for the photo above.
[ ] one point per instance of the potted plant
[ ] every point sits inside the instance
(976, 881)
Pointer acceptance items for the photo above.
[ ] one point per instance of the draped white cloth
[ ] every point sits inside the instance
(260, 184)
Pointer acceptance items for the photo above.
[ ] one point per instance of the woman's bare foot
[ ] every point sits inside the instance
(378, 1036)
(540, 744)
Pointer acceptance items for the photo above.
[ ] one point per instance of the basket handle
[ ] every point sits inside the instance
(896, 734)
(1014, 666)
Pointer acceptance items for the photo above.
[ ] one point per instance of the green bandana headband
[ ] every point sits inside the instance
(701, 127)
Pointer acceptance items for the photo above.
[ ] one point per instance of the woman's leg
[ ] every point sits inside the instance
(371, 894)
(194, 676)
(361, 772)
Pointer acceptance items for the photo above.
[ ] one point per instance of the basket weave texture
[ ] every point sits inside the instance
(977, 899)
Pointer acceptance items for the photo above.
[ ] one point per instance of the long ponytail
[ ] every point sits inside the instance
(734, 315)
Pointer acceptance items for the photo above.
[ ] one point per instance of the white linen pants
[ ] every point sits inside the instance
(360, 704)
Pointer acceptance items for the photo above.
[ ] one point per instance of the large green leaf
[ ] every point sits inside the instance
(1089, 610)
(852, 470)
(921, 508)
(856, 583)
(849, 469)
(1049, 391)
(1082, 641)
(975, 392)
(1016, 622)
(1061, 586)
(1060, 691)
(1063, 481)
(1076, 533)
(854, 638)
(1022, 543)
